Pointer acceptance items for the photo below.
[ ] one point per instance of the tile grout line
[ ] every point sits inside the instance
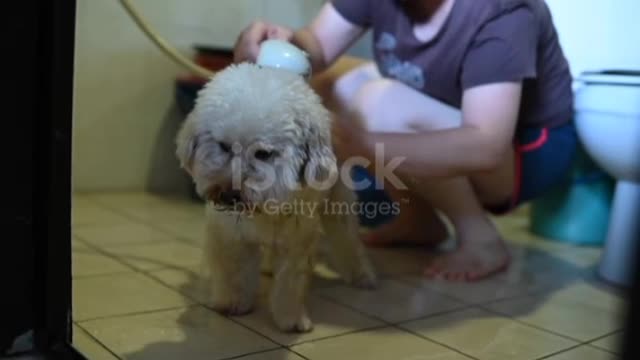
(443, 293)
(620, 331)
(560, 352)
(240, 357)
(434, 341)
(578, 342)
(235, 357)
(243, 325)
(134, 219)
(299, 354)
(483, 302)
(533, 326)
(330, 299)
(591, 344)
(328, 337)
(327, 298)
(95, 276)
(441, 313)
(110, 209)
(156, 197)
(389, 324)
(96, 250)
(161, 265)
(610, 352)
(112, 256)
(119, 259)
(136, 313)
(540, 292)
(171, 239)
(145, 222)
(97, 341)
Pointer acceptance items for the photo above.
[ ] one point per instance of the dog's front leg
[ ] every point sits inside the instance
(346, 250)
(234, 269)
(293, 267)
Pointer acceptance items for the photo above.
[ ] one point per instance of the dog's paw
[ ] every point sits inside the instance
(297, 324)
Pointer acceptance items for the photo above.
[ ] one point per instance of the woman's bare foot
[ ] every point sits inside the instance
(416, 225)
(481, 253)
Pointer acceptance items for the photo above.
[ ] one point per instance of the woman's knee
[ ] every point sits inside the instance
(348, 85)
(374, 104)
(389, 105)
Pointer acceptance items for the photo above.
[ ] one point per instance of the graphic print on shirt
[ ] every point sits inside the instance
(403, 71)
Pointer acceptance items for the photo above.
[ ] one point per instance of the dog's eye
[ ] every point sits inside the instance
(264, 155)
(225, 147)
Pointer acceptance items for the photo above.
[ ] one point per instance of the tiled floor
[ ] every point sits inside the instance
(138, 295)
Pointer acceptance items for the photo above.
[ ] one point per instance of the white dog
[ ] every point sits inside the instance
(258, 147)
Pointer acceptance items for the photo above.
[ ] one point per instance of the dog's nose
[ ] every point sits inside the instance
(230, 197)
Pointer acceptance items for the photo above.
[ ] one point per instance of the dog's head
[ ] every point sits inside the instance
(256, 134)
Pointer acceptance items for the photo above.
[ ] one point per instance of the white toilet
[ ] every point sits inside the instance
(608, 123)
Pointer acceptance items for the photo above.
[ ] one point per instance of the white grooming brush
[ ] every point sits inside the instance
(284, 55)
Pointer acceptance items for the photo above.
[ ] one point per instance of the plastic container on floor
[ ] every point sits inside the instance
(576, 211)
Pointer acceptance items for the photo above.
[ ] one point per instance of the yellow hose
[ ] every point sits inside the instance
(162, 44)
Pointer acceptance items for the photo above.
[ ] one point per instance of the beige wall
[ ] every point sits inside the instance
(595, 34)
(125, 118)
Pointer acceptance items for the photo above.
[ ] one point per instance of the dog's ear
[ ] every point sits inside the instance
(187, 143)
(320, 169)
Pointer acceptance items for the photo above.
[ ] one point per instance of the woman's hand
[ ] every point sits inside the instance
(248, 43)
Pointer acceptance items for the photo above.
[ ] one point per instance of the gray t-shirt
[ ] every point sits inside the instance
(482, 42)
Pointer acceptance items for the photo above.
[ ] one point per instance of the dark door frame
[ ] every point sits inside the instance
(56, 47)
(36, 254)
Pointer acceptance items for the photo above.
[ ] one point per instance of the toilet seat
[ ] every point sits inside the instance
(608, 91)
(611, 77)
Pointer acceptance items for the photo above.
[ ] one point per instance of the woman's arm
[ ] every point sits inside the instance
(327, 37)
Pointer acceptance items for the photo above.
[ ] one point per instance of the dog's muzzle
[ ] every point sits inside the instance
(229, 198)
(225, 197)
